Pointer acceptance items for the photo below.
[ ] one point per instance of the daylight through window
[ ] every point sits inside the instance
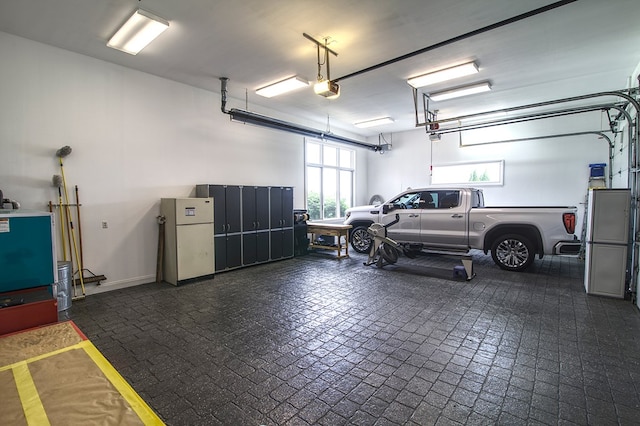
(330, 170)
(476, 174)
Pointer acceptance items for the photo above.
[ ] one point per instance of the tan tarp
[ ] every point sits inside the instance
(38, 341)
(51, 375)
(12, 412)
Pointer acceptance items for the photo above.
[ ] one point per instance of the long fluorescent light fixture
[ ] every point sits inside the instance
(443, 75)
(374, 122)
(139, 30)
(460, 91)
(281, 87)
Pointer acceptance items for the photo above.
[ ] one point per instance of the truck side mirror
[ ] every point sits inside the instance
(386, 208)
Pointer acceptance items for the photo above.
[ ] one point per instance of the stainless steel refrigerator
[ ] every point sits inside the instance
(188, 243)
(607, 242)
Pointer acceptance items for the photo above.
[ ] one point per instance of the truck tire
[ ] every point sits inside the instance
(360, 239)
(512, 252)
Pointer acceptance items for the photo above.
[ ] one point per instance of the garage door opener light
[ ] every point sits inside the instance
(324, 87)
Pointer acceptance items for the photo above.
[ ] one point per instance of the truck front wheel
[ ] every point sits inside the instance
(512, 252)
(361, 240)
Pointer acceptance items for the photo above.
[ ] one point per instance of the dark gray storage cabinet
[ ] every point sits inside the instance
(226, 224)
(281, 206)
(253, 224)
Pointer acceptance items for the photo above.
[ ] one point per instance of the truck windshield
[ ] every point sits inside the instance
(432, 199)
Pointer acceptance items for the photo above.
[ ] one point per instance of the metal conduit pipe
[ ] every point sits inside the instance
(619, 93)
(459, 38)
(523, 118)
(273, 123)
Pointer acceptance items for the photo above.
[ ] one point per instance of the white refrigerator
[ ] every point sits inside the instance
(607, 242)
(188, 242)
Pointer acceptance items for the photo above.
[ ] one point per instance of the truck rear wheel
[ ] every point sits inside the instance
(512, 252)
(361, 240)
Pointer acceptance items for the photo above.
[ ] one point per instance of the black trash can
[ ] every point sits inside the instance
(300, 237)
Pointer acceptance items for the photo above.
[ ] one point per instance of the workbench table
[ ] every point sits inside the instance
(333, 230)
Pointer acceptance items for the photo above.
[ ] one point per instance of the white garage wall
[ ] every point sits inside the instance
(136, 138)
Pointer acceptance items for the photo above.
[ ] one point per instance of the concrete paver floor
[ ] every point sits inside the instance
(316, 340)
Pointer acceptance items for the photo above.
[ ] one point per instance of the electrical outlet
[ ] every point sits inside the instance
(105, 225)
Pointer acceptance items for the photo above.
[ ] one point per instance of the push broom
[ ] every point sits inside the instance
(57, 183)
(61, 153)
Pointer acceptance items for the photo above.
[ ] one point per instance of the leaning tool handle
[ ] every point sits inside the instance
(160, 258)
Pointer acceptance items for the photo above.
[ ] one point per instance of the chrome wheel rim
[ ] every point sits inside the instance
(361, 240)
(512, 253)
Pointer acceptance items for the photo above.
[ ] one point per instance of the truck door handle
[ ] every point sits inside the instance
(457, 216)
(413, 215)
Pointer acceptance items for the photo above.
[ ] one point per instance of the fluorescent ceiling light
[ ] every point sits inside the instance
(284, 86)
(375, 122)
(460, 91)
(443, 75)
(139, 30)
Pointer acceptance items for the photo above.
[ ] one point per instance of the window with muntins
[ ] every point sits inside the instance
(330, 171)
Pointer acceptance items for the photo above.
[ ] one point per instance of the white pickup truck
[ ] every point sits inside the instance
(456, 220)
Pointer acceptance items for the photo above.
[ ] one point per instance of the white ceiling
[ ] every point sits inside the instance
(583, 47)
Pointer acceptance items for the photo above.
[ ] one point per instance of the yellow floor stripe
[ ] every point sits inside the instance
(39, 357)
(137, 404)
(31, 404)
(33, 407)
